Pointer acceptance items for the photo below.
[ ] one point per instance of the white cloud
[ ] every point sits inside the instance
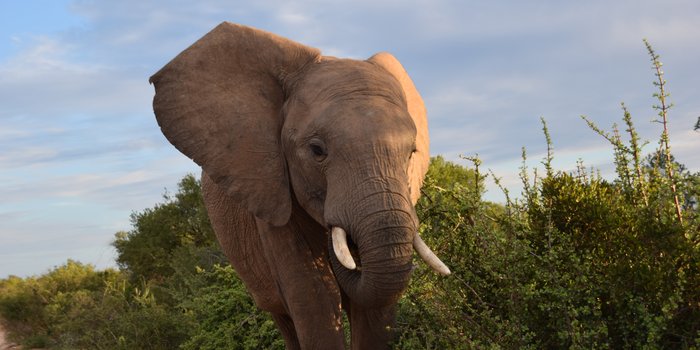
(14, 158)
(452, 97)
(293, 17)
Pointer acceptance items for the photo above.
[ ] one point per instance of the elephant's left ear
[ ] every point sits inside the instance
(420, 160)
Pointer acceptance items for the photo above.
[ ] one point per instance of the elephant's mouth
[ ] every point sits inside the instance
(347, 252)
(372, 273)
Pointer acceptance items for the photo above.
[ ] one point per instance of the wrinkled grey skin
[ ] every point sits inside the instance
(292, 143)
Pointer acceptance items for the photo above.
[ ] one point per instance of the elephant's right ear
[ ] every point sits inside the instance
(420, 160)
(219, 102)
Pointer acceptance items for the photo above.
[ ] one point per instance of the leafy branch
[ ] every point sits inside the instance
(663, 108)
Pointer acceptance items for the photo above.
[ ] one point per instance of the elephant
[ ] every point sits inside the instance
(311, 169)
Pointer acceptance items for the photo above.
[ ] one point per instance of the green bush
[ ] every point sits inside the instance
(75, 307)
(226, 315)
(576, 262)
(21, 308)
(119, 317)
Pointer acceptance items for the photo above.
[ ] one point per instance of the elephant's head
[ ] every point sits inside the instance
(273, 122)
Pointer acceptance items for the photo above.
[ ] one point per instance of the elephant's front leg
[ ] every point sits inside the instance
(309, 292)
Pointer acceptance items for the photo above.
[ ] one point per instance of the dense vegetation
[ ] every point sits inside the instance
(576, 261)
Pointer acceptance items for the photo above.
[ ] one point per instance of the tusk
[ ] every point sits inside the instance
(428, 256)
(340, 247)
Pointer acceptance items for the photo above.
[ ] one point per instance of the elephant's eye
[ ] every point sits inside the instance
(318, 149)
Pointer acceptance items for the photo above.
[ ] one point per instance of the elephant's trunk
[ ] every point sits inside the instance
(383, 238)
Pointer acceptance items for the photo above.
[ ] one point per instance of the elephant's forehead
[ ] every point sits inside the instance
(350, 101)
(333, 80)
(368, 121)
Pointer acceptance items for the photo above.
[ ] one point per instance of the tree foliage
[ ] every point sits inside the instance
(159, 232)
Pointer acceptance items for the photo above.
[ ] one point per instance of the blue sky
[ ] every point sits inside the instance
(80, 149)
